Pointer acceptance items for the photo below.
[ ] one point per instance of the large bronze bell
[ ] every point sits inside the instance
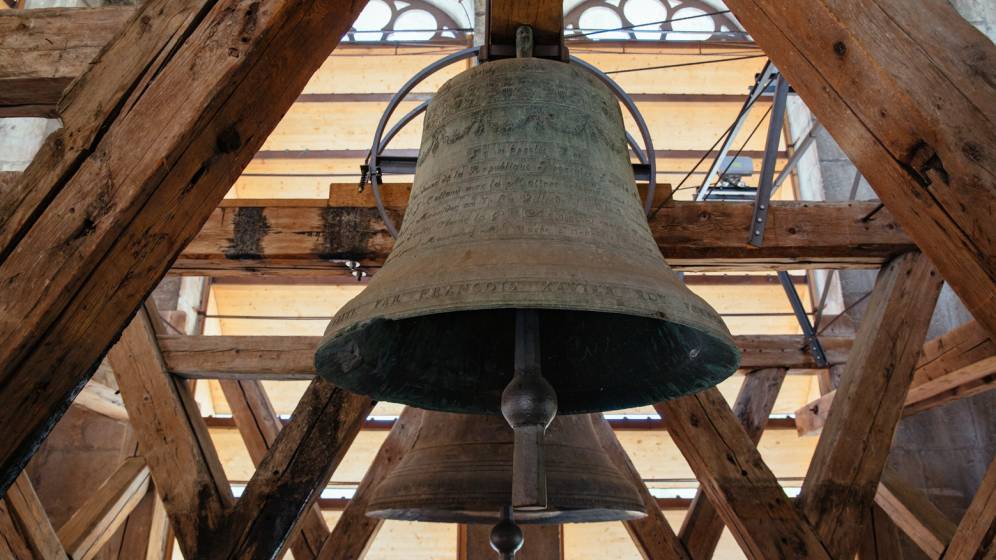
(460, 471)
(524, 198)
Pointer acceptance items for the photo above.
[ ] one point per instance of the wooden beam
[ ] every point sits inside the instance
(12, 543)
(924, 139)
(108, 227)
(652, 535)
(354, 531)
(966, 367)
(172, 438)
(974, 538)
(145, 532)
(703, 526)
(272, 238)
(292, 357)
(259, 425)
(546, 17)
(292, 475)
(42, 51)
(739, 485)
(844, 473)
(541, 542)
(106, 510)
(911, 511)
(28, 516)
(880, 540)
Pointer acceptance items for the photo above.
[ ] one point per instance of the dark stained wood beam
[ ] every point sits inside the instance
(975, 537)
(924, 139)
(354, 531)
(292, 475)
(703, 526)
(844, 473)
(652, 535)
(146, 530)
(880, 540)
(292, 357)
(739, 485)
(172, 438)
(42, 51)
(270, 237)
(108, 204)
(259, 425)
(545, 17)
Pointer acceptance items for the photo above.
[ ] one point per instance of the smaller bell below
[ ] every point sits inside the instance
(460, 471)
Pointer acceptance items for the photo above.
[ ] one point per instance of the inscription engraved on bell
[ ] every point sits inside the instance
(524, 198)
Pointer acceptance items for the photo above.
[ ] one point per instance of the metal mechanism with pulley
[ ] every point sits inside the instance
(525, 280)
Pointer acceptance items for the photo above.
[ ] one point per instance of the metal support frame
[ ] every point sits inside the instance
(800, 150)
(766, 184)
(812, 340)
(763, 79)
(376, 164)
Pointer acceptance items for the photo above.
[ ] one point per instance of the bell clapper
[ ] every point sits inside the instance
(506, 536)
(529, 404)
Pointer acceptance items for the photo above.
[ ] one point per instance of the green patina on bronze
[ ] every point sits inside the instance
(524, 198)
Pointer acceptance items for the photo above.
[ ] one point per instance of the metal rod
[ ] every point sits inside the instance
(766, 186)
(815, 348)
(793, 161)
(755, 93)
(529, 404)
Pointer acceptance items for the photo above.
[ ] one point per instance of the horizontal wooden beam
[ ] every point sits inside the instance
(312, 238)
(99, 398)
(292, 357)
(958, 364)
(42, 51)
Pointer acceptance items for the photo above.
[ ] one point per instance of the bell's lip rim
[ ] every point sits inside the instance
(723, 336)
(541, 517)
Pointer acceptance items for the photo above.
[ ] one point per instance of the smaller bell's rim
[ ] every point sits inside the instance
(540, 517)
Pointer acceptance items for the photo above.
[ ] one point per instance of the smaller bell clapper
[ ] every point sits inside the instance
(506, 536)
(528, 404)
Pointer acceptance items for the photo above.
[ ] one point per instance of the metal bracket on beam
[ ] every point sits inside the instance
(766, 185)
(812, 340)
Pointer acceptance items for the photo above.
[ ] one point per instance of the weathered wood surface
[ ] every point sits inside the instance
(955, 365)
(740, 486)
(12, 543)
(93, 525)
(259, 425)
(925, 138)
(545, 17)
(975, 537)
(30, 521)
(172, 438)
(123, 189)
(355, 531)
(42, 51)
(703, 526)
(271, 238)
(911, 511)
(652, 535)
(880, 540)
(843, 476)
(146, 530)
(292, 475)
(292, 357)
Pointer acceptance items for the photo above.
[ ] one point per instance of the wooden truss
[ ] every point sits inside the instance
(161, 123)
